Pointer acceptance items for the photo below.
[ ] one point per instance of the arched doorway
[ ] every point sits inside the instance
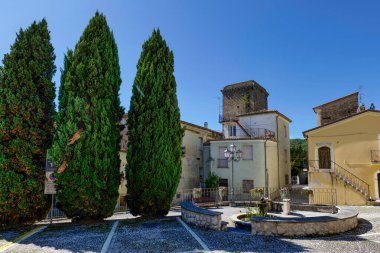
(324, 157)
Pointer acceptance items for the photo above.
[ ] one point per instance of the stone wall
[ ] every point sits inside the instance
(201, 217)
(277, 207)
(243, 98)
(308, 226)
(338, 109)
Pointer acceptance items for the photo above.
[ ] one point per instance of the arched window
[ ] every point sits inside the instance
(324, 157)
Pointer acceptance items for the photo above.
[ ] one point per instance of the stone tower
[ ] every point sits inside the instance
(337, 109)
(244, 97)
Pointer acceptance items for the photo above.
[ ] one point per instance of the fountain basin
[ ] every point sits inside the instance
(303, 223)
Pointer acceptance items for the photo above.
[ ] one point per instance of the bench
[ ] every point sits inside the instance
(202, 217)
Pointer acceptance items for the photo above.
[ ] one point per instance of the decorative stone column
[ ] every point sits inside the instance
(286, 206)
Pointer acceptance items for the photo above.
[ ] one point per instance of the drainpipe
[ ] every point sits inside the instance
(266, 194)
(278, 155)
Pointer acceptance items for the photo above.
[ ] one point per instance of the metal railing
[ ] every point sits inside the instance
(375, 156)
(351, 179)
(320, 196)
(55, 213)
(224, 195)
(323, 196)
(202, 196)
(121, 205)
(253, 133)
(344, 175)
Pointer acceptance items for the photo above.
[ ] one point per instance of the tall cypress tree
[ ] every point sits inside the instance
(1, 74)
(26, 124)
(86, 144)
(154, 132)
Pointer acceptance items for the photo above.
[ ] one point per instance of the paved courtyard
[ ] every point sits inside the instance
(169, 235)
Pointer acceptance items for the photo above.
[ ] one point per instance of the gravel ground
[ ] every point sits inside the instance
(165, 235)
(11, 234)
(362, 239)
(65, 238)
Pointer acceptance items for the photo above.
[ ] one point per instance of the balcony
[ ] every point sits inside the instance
(253, 133)
(222, 163)
(375, 156)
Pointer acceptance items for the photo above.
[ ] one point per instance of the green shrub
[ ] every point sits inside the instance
(212, 181)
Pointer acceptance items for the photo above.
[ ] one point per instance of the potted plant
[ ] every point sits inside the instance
(256, 191)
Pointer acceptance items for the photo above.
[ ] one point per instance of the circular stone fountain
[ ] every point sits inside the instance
(300, 223)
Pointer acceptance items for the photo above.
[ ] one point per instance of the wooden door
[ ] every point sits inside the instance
(324, 157)
(378, 183)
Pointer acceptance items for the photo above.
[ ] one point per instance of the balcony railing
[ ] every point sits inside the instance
(375, 156)
(253, 133)
(222, 163)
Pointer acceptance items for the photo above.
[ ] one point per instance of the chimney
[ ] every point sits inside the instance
(319, 116)
(205, 124)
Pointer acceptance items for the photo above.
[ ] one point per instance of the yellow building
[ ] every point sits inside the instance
(344, 154)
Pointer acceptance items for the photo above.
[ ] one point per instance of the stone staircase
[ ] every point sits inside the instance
(350, 179)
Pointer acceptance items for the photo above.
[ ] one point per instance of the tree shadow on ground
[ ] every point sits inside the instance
(67, 236)
(10, 234)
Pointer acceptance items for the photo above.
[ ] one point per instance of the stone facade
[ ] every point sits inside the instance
(244, 97)
(337, 109)
(200, 217)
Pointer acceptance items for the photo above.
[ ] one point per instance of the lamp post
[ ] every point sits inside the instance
(232, 155)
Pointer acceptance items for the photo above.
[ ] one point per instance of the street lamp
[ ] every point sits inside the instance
(232, 155)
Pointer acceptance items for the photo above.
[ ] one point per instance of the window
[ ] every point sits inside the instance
(222, 161)
(285, 132)
(231, 130)
(247, 185)
(221, 152)
(223, 182)
(247, 152)
(286, 155)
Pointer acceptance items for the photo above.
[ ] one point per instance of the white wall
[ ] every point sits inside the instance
(244, 169)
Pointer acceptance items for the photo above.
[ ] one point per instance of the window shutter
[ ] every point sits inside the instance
(247, 152)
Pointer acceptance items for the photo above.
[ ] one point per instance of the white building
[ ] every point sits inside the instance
(262, 136)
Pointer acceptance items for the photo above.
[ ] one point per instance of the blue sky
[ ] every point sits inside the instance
(304, 53)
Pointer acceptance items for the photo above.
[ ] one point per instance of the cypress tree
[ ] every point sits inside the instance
(62, 98)
(1, 74)
(86, 144)
(154, 132)
(26, 124)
